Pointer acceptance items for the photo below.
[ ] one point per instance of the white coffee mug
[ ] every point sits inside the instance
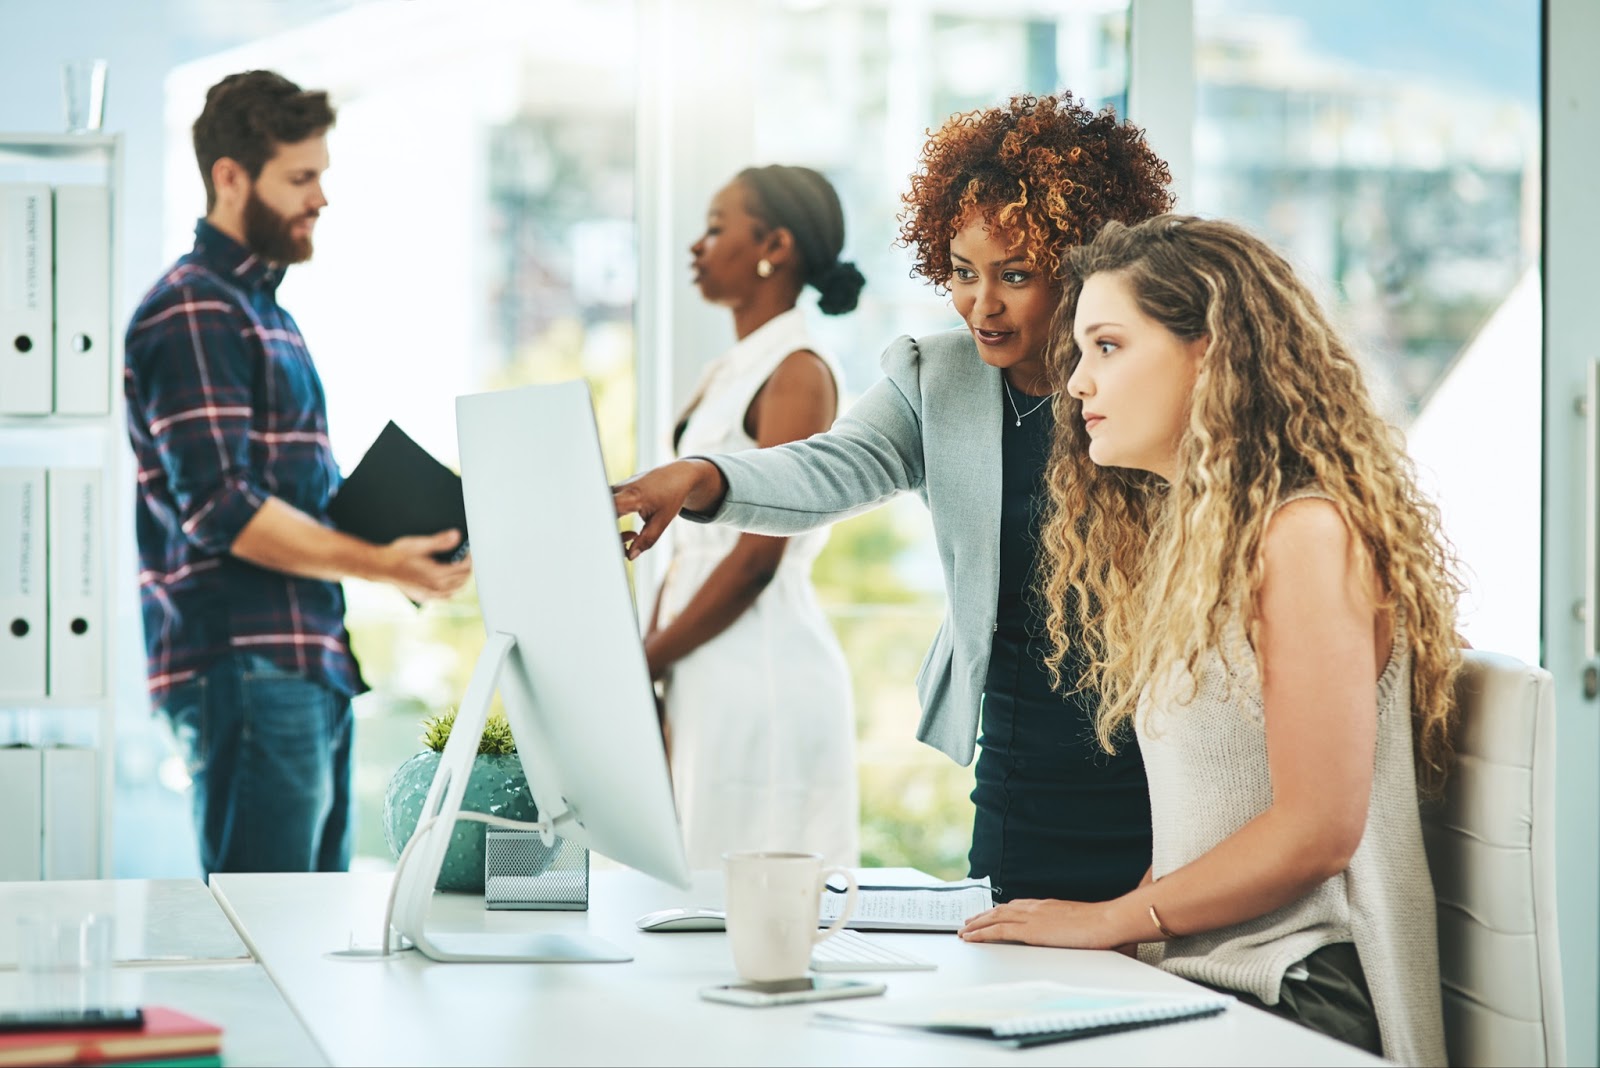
(773, 906)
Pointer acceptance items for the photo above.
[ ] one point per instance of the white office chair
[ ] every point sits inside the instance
(1491, 848)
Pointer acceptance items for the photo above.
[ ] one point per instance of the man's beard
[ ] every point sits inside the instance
(266, 233)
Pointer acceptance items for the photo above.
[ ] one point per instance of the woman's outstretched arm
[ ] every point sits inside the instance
(871, 454)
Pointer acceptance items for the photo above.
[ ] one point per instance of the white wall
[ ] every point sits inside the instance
(1474, 445)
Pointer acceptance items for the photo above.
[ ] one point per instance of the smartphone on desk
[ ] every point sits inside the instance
(110, 1018)
(789, 991)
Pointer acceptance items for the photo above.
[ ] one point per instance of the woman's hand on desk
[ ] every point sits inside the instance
(658, 495)
(1037, 922)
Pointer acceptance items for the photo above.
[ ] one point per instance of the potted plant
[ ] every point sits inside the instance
(496, 786)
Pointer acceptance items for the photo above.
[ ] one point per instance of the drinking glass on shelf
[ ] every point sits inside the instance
(64, 961)
(83, 94)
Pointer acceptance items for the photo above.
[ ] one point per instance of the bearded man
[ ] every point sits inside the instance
(249, 660)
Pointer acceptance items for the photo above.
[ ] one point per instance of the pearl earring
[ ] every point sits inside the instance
(764, 268)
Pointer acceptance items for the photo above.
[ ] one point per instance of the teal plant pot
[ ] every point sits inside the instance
(496, 787)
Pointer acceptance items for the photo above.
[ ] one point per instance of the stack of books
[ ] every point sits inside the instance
(161, 1037)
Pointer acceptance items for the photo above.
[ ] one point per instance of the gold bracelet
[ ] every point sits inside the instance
(1159, 925)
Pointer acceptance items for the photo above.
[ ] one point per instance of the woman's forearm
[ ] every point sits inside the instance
(1275, 859)
(727, 593)
(710, 487)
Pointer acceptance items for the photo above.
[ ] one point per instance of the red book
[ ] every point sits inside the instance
(166, 1033)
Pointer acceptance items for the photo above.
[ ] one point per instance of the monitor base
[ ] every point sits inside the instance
(510, 947)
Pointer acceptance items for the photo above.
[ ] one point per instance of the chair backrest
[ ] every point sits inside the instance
(1491, 849)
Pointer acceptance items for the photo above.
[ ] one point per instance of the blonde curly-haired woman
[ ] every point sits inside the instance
(1268, 603)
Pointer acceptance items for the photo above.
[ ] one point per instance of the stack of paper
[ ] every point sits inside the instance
(936, 907)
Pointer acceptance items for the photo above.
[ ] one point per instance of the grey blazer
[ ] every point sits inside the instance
(931, 426)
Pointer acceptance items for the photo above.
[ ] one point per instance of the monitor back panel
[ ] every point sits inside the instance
(548, 563)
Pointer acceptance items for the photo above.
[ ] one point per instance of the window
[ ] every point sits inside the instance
(486, 198)
(1393, 155)
(852, 88)
(479, 236)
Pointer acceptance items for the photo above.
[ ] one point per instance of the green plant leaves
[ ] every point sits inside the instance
(495, 741)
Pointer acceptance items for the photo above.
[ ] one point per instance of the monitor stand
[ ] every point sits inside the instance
(419, 872)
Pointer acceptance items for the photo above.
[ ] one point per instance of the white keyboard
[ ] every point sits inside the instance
(848, 951)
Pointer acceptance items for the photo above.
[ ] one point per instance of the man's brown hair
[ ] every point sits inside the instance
(247, 116)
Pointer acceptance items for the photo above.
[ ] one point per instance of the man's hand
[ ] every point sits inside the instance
(658, 495)
(280, 537)
(408, 564)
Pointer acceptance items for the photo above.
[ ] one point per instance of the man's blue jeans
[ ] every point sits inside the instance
(270, 755)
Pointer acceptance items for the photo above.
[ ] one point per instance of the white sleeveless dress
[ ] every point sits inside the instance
(763, 731)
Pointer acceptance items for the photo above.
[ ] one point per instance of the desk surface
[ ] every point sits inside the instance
(162, 920)
(174, 947)
(258, 1027)
(410, 1010)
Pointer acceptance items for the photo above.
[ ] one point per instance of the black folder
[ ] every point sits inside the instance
(398, 490)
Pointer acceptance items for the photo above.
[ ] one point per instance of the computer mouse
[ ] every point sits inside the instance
(682, 920)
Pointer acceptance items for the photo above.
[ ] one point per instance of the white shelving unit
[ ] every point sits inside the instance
(98, 441)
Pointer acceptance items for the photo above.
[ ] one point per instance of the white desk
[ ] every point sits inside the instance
(410, 1010)
(258, 1027)
(174, 947)
(156, 919)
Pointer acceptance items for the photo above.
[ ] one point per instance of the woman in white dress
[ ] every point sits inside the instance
(759, 716)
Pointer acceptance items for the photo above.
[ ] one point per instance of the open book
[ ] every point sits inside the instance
(1027, 1013)
(936, 907)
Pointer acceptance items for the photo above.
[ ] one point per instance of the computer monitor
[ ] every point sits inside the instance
(565, 653)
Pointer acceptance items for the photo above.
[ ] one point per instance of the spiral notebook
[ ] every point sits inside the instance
(1027, 1013)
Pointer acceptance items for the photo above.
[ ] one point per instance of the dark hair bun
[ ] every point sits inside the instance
(839, 286)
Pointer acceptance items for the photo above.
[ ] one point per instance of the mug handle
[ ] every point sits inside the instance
(849, 902)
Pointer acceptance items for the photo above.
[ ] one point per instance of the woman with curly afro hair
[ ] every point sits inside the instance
(964, 419)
